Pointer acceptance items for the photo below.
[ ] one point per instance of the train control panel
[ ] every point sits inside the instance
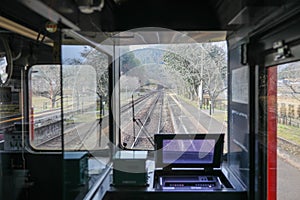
(183, 164)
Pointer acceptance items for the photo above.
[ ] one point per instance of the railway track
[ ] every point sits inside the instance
(164, 113)
(140, 99)
(289, 151)
(149, 129)
(154, 112)
(76, 134)
(141, 122)
(288, 146)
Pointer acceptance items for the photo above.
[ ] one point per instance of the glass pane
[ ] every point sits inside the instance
(172, 88)
(85, 88)
(45, 107)
(86, 128)
(85, 97)
(288, 131)
(238, 157)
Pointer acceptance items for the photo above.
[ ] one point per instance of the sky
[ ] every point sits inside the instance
(72, 51)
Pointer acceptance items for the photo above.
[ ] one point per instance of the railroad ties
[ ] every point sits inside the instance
(159, 113)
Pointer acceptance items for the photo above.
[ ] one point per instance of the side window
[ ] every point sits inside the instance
(45, 106)
(80, 96)
(287, 130)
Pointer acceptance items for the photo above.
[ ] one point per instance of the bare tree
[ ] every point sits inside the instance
(288, 80)
(199, 64)
(48, 83)
(99, 61)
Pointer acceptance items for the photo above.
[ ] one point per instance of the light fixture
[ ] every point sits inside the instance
(88, 7)
(24, 31)
(283, 50)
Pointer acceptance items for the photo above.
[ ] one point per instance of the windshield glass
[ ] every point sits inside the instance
(172, 88)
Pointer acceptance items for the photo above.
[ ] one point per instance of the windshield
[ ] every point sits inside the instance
(171, 88)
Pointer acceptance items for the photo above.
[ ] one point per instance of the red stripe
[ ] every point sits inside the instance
(31, 123)
(272, 134)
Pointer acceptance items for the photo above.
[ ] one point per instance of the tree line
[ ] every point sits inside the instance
(190, 69)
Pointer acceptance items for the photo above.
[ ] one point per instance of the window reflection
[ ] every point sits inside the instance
(3, 66)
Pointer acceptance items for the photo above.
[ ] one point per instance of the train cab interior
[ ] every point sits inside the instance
(136, 99)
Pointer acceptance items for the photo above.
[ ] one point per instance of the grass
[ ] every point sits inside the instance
(290, 133)
(42, 103)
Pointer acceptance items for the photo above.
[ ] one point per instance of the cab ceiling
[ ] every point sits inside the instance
(207, 20)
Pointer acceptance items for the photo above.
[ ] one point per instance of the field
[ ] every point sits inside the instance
(289, 133)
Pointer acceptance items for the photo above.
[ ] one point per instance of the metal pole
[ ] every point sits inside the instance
(133, 118)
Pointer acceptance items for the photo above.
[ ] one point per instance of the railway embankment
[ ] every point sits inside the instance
(289, 151)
